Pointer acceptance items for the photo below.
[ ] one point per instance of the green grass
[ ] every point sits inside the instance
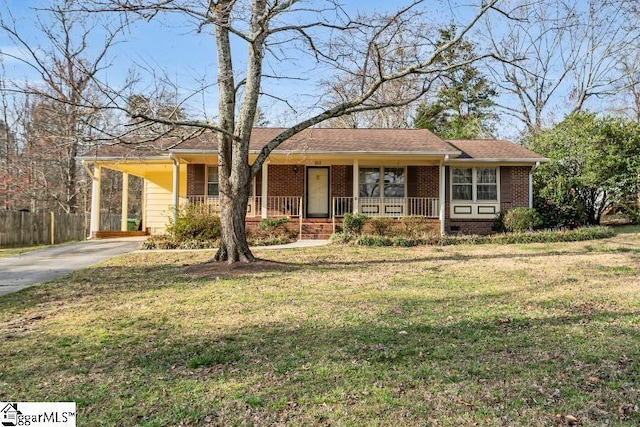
(487, 335)
(8, 252)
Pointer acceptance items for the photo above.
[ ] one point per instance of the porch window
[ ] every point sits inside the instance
(393, 182)
(390, 180)
(369, 182)
(474, 184)
(213, 183)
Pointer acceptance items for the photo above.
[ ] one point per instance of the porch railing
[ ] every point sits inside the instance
(276, 205)
(394, 207)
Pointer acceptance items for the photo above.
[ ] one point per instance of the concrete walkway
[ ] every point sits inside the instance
(27, 269)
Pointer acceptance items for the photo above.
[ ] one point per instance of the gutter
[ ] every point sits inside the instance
(533, 169)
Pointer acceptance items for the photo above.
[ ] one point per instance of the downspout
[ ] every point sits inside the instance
(533, 169)
(443, 189)
(176, 186)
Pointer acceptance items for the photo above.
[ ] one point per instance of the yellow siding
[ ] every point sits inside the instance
(157, 201)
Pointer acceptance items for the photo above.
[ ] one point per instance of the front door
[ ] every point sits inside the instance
(318, 192)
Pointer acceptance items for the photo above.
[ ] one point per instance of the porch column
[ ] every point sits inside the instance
(264, 189)
(125, 202)
(176, 188)
(356, 186)
(96, 182)
(442, 195)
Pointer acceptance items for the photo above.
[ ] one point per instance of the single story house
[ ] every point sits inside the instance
(322, 173)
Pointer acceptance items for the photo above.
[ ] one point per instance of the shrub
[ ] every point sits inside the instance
(373, 241)
(579, 234)
(521, 219)
(413, 225)
(341, 237)
(354, 223)
(194, 223)
(271, 225)
(381, 225)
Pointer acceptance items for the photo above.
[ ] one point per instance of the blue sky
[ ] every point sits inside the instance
(170, 46)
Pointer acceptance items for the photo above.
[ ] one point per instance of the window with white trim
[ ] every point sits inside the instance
(474, 184)
(213, 183)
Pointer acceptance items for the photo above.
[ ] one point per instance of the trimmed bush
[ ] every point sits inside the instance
(579, 234)
(381, 225)
(194, 223)
(374, 241)
(521, 219)
(353, 223)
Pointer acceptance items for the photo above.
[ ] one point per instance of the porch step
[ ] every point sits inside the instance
(316, 229)
(315, 236)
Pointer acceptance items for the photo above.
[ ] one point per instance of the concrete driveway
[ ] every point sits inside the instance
(24, 270)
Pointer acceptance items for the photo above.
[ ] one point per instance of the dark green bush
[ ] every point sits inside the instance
(194, 223)
(381, 225)
(373, 241)
(521, 219)
(354, 223)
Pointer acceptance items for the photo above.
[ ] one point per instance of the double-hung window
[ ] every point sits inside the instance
(213, 183)
(474, 184)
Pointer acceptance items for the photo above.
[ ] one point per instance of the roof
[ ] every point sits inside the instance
(494, 149)
(331, 141)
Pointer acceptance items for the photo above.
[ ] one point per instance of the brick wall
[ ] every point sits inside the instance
(342, 181)
(427, 179)
(283, 181)
(514, 190)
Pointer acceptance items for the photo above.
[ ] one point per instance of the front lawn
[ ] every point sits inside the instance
(504, 335)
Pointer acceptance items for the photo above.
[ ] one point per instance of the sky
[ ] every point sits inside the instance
(170, 47)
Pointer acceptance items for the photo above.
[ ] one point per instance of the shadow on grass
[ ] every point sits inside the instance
(385, 368)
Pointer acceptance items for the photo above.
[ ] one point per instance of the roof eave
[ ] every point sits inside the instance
(500, 160)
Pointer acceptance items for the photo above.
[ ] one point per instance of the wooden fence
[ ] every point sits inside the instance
(28, 228)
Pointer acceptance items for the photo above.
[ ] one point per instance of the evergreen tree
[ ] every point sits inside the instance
(461, 108)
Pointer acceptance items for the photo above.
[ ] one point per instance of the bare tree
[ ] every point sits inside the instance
(357, 51)
(565, 52)
(63, 99)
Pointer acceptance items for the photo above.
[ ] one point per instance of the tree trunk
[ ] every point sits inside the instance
(233, 212)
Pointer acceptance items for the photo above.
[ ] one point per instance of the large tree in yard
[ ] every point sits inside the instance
(595, 162)
(259, 41)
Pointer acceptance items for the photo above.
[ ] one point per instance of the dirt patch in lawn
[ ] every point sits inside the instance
(223, 270)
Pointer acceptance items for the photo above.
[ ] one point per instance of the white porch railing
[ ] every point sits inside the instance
(276, 205)
(394, 207)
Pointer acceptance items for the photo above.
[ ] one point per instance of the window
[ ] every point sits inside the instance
(369, 182)
(393, 180)
(487, 187)
(462, 184)
(212, 181)
(474, 184)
